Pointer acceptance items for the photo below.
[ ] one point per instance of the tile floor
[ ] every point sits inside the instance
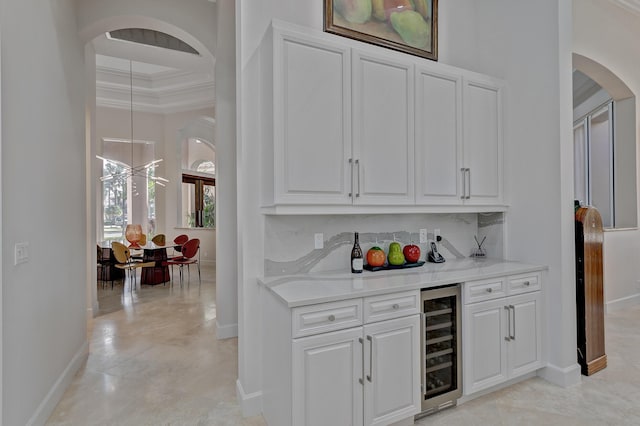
(154, 360)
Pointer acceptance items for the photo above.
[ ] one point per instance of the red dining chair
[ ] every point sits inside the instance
(189, 252)
(178, 242)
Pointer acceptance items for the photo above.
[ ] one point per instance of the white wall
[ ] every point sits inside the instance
(497, 37)
(43, 198)
(608, 34)
(226, 181)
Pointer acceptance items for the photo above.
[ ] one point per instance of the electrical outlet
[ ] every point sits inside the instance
(436, 234)
(423, 236)
(21, 252)
(318, 240)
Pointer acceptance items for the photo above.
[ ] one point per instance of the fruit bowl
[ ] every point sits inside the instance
(387, 267)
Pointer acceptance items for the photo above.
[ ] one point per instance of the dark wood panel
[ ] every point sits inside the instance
(590, 290)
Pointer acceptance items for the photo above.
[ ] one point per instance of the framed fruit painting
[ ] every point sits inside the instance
(409, 26)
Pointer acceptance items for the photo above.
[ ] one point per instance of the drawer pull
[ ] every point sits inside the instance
(489, 290)
(526, 283)
(396, 306)
(332, 317)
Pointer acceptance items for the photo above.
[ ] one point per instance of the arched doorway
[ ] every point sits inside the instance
(96, 19)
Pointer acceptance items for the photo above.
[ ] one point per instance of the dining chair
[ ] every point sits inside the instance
(178, 242)
(125, 262)
(159, 240)
(189, 251)
(104, 264)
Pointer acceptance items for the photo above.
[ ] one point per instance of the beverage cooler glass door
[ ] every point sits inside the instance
(441, 360)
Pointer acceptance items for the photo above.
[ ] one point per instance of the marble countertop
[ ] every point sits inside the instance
(300, 290)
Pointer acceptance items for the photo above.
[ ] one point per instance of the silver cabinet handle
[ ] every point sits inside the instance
(513, 312)
(508, 336)
(527, 283)
(361, 380)
(358, 165)
(489, 290)
(396, 306)
(332, 317)
(468, 185)
(464, 183)
(370, 375)
(351, 165)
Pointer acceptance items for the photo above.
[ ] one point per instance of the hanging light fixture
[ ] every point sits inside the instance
(130, 171)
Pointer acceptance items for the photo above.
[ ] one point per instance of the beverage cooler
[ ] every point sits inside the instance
(441, 348)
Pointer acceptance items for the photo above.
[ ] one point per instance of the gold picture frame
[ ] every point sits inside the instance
(409, 26)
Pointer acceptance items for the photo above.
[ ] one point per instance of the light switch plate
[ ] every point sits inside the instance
(423, 236)
(318, 240)
(21, 252)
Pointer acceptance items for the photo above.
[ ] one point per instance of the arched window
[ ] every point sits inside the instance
(604, 143)
(198, 184)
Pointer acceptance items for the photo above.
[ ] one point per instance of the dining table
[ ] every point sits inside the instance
(149, 252)
(159, 273)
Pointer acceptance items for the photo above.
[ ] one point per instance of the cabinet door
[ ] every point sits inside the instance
(392, 370)
(312, 121)
(484, 349)
(525, 350)
(327, 370)
(482, 142)
(383, 129)
(438, 143)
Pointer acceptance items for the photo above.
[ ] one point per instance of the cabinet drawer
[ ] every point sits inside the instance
(524, 283)
(477, 291)
(388, 306)
(323, 317)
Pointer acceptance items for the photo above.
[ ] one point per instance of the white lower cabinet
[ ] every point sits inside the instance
(327, 369)
(502, 336)
(363, 375)
(348, 362)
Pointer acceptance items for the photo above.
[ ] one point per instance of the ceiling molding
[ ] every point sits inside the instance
(165, 91)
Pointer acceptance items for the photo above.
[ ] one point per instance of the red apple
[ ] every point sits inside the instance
(411, 253)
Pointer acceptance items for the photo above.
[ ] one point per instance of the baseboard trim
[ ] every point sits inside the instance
(622, 303)
(251, 404)
(226, 331)
(564, 377)
(54, 396)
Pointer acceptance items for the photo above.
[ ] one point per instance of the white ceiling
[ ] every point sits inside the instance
(164, 81)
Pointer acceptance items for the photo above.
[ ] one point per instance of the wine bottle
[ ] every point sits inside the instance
(357, 260)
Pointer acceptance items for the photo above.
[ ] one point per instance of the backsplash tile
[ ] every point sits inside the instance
(289, 240)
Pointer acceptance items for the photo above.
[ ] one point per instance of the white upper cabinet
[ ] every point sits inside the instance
(482, 182)
(438, 137)
(312, 120)
(358, 129)
(382, 129)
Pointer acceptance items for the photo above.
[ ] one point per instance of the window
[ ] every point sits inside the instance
(604, 145)
(198, 184)
(199, 196)
(593, 162)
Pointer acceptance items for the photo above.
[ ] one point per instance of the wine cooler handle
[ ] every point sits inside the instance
(351, 165)
(370, 375)
(361, 380)
(513, 310)
(508, 336)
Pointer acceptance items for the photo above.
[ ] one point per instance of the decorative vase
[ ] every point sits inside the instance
(133, 234)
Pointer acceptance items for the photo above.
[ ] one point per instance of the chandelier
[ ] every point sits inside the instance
(126, 172)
